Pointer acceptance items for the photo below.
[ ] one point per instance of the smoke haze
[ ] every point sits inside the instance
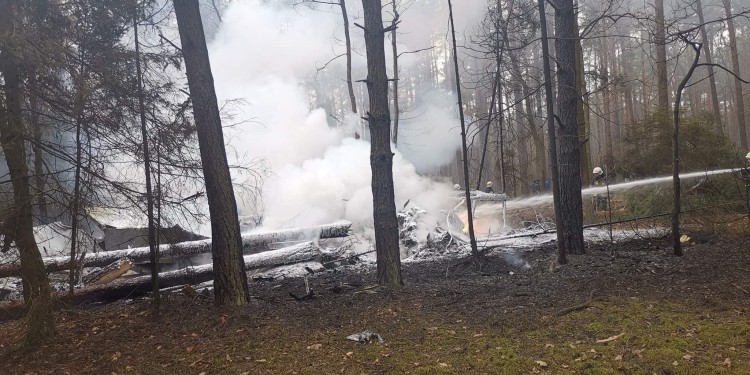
(261, 54)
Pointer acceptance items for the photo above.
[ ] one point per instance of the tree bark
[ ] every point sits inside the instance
(230, 284)
(381, 157)
(738, 97)
(36, 289)
(555, 172)
(661, 58)
(571, 204)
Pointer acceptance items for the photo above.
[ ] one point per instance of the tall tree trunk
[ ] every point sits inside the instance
(540, 155)
(36, 147)
(381, 157)
(464, 148)
(348, 41)
(571, 205)
(495, 84)
(676, 202)
(661, 58)
(396, 110)
(606, 101)
(738, 97)
(627, 73)
(645, 88)
(80, 87)
(147, 171)
(230, 282)
(36, 289)
(501, 141)
(521, 137)
(560, 222)
(583, 125)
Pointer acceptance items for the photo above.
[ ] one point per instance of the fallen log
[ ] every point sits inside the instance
(141, 254)
(480, 196)
(109, 273)
(139, 286)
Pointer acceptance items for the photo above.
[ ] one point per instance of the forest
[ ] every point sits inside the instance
(374, 186)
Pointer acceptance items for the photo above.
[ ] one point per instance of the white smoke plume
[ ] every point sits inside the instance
(261, 54)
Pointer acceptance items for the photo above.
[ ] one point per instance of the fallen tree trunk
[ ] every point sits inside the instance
(480, 196)
(109, 273)
(139, 286)
(142, 254)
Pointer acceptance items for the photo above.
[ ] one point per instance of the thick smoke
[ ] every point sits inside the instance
(261, 54)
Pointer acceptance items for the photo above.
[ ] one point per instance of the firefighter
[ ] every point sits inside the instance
(745, 177)
(600, 178)
(745, 172)
(536, 187)
(488, 189)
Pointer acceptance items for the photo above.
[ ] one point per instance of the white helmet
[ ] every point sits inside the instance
(598, 170)
(489, 183)
(747, 156)
(457, 187)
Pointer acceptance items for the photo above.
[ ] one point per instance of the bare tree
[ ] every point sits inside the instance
(230, 282)
(551, 131)
(569, 184)
(36, 289)
(381, 156)
(152, 237)
(676, 202)
(464, 148)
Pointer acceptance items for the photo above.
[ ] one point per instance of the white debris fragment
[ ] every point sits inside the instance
(365, 337)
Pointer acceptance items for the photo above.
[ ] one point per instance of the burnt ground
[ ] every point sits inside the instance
(655, 313)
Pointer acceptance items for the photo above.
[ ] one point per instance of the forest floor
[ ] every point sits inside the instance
(631, 309)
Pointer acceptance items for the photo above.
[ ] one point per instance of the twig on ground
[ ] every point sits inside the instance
(571, 309)
(740, 288)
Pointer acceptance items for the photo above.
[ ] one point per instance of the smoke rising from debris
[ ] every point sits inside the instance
(262, 53)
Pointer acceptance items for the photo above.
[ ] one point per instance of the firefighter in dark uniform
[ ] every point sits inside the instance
(488, 189)
(600, 179)
(745, 172)
(745, 177)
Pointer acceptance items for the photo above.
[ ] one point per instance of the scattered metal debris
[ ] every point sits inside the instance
(365, 337)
